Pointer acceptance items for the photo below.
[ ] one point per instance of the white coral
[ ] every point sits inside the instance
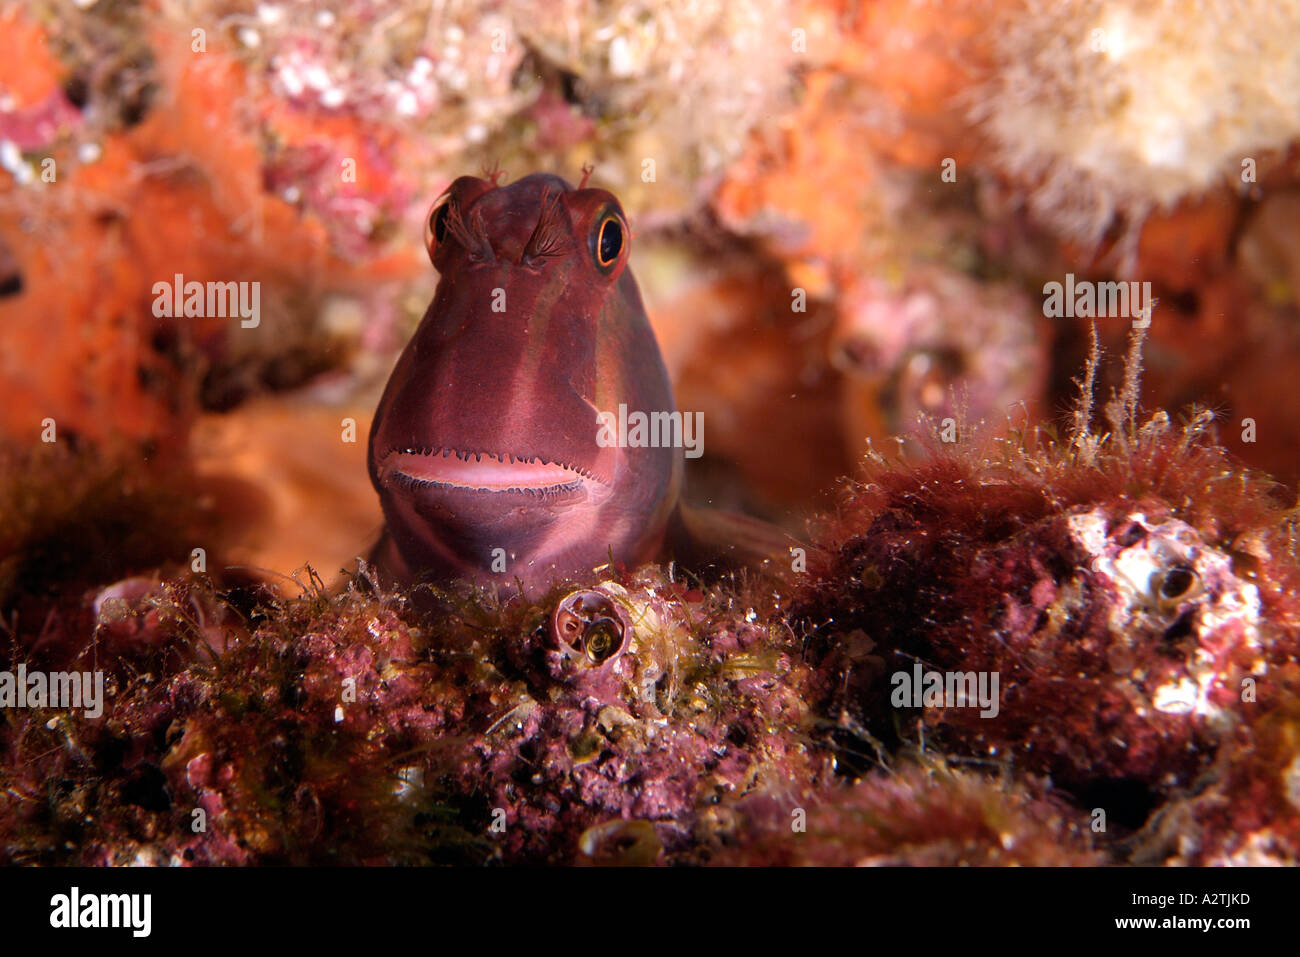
(1130, 105)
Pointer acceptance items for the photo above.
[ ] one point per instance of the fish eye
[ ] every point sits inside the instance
(437, 227)
(607, 242)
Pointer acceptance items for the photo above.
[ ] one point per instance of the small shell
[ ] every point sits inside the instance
(590, 628)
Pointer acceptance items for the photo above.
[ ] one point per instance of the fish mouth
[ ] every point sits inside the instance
(440, 469)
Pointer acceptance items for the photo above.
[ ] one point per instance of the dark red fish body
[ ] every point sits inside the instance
(484, 448)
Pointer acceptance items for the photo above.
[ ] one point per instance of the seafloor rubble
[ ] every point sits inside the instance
(843, 218)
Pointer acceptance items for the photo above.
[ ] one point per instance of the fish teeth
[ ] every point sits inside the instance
(504, 458)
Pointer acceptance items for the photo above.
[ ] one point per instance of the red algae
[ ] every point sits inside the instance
(1134, 594)
(919, 815)
(351, 729)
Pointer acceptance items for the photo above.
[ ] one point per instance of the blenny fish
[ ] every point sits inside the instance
(484, 448)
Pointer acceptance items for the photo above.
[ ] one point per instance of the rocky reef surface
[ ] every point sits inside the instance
(1012, 650)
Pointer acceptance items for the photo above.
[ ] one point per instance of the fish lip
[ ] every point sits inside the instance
(464, 464)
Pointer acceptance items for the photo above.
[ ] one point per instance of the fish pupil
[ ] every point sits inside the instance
(611, 241)
(439, 223)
